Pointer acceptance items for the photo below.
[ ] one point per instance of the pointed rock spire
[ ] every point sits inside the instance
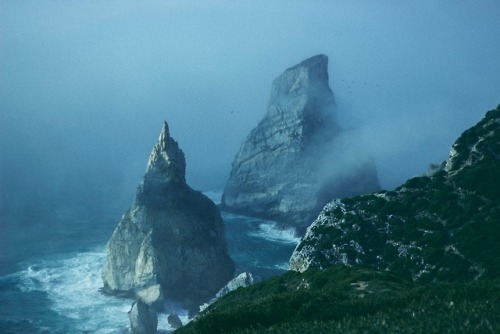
(172, 236)
(166, 160)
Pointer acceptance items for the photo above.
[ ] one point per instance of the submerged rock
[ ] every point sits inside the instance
(297, 158)
(143, 319)
(172, 236)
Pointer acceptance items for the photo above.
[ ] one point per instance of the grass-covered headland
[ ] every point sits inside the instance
(423, 258)
(344, 299)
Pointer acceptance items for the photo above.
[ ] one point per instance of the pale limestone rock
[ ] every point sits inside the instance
(172, 236)
(285, 170)
(242, 280)
(152, 296)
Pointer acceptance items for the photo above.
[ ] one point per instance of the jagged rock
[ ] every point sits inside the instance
(242, 280)
(288, 167)
(172, 236)
(143, 319)
(152, 296)
(174, 320)
(438, 227)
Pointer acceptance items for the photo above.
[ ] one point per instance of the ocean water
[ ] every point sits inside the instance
(59, 292)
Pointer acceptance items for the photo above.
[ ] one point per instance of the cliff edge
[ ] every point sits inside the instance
(440, 227)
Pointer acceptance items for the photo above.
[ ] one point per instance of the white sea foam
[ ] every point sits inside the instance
(269, 231)
(283, 266)
(72, 281)
(73, 284)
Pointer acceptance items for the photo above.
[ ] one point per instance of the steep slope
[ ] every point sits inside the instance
(172, 235)
(344, 299)
(443, 226)
(287, 168)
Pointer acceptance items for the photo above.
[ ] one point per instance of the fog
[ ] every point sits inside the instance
(86, 85)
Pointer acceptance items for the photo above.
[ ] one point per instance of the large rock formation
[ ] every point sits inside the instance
(289, 167)
(442, 226)
(172, 235)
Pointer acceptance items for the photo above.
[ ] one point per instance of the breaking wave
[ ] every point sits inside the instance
(72, 285)
(270, 231)
(61, 293)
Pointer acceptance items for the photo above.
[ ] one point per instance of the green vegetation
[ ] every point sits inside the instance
(353, 300)
(442, 227)
(429, 250)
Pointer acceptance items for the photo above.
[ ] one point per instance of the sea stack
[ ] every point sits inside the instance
(172, 236)
(287, 168)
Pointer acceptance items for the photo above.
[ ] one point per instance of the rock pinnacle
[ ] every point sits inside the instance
(166, 159)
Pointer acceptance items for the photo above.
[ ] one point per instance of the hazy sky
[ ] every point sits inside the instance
(86, 85)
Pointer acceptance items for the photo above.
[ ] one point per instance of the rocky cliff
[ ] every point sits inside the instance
(287, 168)
(172, 235)
(443, 226)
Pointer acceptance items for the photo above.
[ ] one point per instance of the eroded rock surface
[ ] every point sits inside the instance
(241, 281)
(288, 167)
(443, 226)
(172, 236)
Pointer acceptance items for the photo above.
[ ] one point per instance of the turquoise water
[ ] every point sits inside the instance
(58, 292)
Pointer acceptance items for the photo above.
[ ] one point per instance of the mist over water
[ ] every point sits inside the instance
(86, 85)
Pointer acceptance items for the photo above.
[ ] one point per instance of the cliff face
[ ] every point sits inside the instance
(281, 171)
(172, 235)
(444, 226)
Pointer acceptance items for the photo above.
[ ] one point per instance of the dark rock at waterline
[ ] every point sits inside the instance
(298, 158)
(172, 236)
(143, 319)
(174, 320)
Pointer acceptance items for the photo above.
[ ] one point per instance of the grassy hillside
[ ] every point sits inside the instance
(433, 228)
(422, 258)
(353, 300)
